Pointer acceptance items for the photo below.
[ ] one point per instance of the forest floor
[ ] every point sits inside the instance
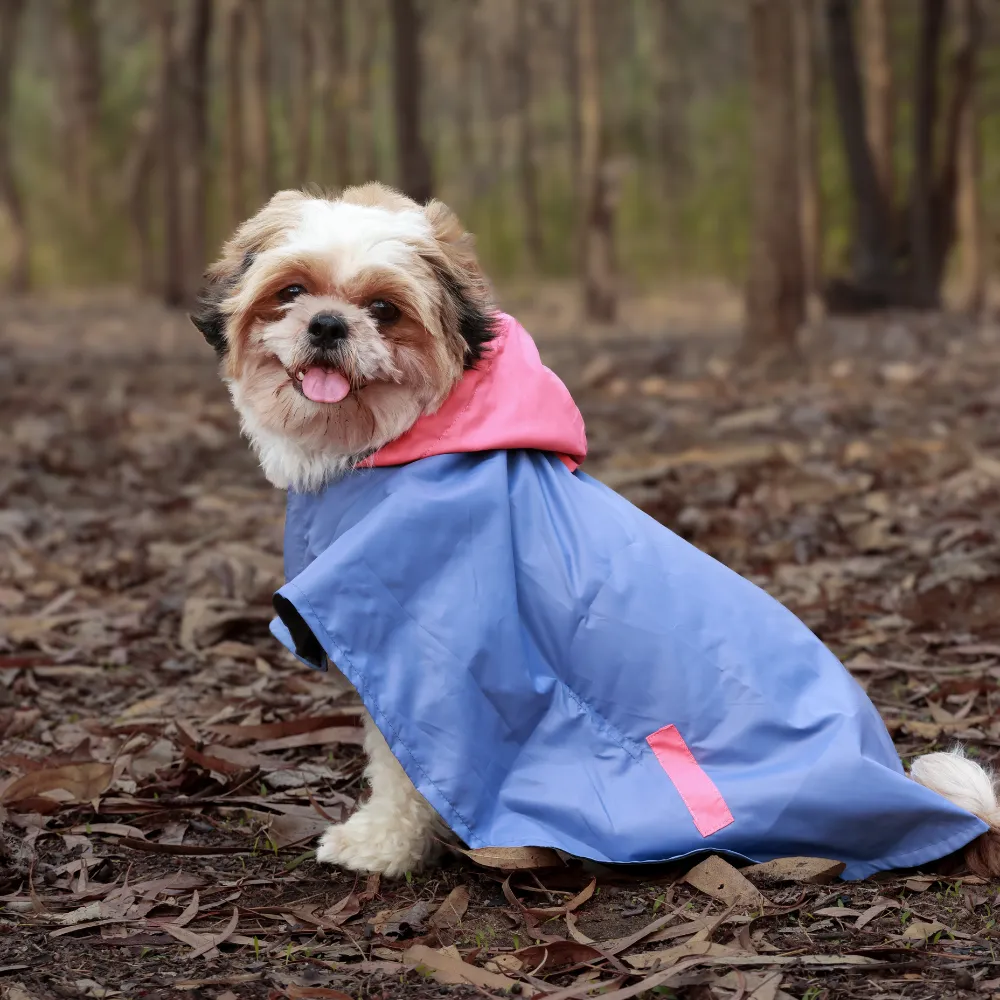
(167, 767)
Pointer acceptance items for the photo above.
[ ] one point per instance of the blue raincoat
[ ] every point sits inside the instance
(554, 668)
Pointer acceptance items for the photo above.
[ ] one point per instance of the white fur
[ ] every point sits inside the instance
(395, 831)
(355, 236)
(961, 781)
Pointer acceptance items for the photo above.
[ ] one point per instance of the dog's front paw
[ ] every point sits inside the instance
(363, 846)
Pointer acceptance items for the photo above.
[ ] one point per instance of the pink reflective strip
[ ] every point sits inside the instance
(704, 801)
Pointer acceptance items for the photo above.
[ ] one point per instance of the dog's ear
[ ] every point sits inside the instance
(210, 319)
(208, 315)
(468, 300)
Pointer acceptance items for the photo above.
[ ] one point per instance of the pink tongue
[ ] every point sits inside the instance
(324, 387)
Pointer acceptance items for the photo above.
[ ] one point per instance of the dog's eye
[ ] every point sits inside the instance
(383, 311)
(290, 293)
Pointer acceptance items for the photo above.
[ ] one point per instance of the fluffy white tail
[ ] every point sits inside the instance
(970, 786)
(960, 780)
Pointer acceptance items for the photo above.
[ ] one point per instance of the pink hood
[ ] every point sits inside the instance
(510, 401)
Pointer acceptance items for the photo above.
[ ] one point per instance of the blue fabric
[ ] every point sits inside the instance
(517, 631)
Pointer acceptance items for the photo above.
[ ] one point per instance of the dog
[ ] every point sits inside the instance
(339, 323)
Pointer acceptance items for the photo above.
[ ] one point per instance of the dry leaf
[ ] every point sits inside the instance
(82, 782)
(450, 971)
(514, 858)
(451, 911)
(555, 955)
(720, 880)
(815, 871)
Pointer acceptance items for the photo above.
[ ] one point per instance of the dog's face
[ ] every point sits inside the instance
(340, 322)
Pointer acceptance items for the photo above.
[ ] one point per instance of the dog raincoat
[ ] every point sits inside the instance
(554, 668)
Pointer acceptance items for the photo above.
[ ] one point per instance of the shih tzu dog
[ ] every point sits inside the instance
(340, 322)
(378, 305)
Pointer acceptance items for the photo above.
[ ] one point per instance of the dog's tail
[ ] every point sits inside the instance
(971, 787)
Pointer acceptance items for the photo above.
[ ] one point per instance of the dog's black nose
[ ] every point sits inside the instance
(326, 328)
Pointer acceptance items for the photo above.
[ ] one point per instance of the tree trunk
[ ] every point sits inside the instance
(369, 17)
(333, 98)
(415, 176)
(259, 118)
(924, 286)
(669, 132)
(138, 176)
(969, 201)
(468, 58)
(235, 185)
(807, 117)
(600, 294)
(776, 287)
(571, 60)
(302, 111)
(527, 166)
(193, 65)
(19, 278)
(873, 255)
(83, 113)
(879, 91)
(172, 289)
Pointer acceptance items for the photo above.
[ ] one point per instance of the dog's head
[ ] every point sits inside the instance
(340, 321)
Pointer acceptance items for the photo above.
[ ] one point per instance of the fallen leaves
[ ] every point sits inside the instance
(720, 880)
(80, 782)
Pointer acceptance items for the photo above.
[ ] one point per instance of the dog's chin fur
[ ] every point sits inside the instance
(343, 256)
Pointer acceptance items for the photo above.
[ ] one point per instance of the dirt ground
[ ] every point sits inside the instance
(167, 768)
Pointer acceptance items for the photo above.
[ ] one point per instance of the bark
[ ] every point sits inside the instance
(173, 285)
(924, 284)
(138, 176)
(235, 186)
(526, 153)
(368, 15)
(415, 176)
(879, 90)
(19, 278)
(969, 168)
(465, 107)
(571, 60)
(600, 296)
(873, 257)
(260, 139)
(193, 65)
(776, 286)
(669, 140)
(333, 100)
(807, 123)
(83, 110)
(303, 92)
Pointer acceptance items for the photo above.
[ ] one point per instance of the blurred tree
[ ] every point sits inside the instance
(908, 269)
(807, 125)
(414, 163)
(526, 154)
(169, 154)
(879, 90)
(193, 68)
(333, 94)
(776, 286)
(235, 177)
(82, 86)
(19, 276)
(670, 139)
(367, 15)
(924, 289)
(260, 138)
(596, 176)
(302, 98)
(571, 63)
(873, 277)
(970, 209)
